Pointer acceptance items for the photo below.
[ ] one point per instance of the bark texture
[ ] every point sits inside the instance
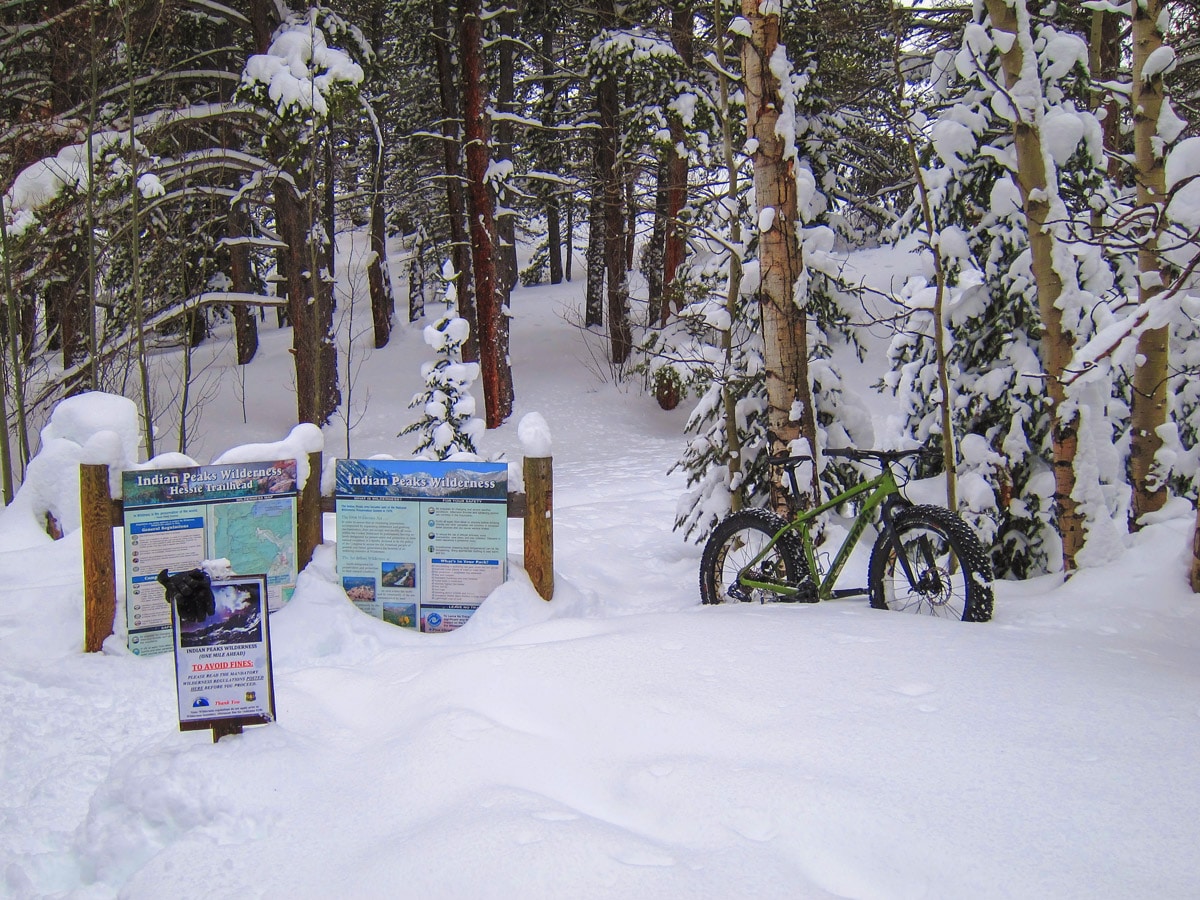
(456, 204)
(674, 247)
(490, 297)
(1057, 344)
(1149, 407)
(784, 330)
(612, 188)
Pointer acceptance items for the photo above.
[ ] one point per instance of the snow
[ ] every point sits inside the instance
(953, 142)
(766, 219)
(1062, 130)
(1183, 181)
(620, 740)
(299, 71)
(535, 436)
(1160, 61)
(150, 186)
(47, 179)
(303, 440)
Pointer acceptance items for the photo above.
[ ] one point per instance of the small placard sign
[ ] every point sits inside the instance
(223, 661)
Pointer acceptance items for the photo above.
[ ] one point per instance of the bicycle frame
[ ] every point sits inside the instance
(880, 488)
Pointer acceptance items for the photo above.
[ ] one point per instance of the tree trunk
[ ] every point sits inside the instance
(1149, 406)
(460, 247)
(554, 240)
(1057, 343)
(733, 437)
(379, 282)
(329, 203)
(593, 306)
(611, 187)
(245, 325)
(506, 227)
(489, 293)
(67, 301)
(549, 120)
(677, 172)
(416, 282)
(383, 303)
(910, 136)
(16, 364)
(311, 316)
(1104, 60)
(652, 256)
(785, 337)
(569, 238)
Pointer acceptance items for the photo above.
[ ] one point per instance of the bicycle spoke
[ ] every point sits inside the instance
(737, 552)
(932, 589)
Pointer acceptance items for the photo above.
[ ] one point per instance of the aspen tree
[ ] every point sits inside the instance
(1149, 403)
(790, 415)
(1036, 191)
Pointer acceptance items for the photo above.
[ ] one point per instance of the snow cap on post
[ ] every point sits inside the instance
(535, 436)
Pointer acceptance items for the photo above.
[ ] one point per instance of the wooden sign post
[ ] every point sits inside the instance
(539, 524)
(99, 560)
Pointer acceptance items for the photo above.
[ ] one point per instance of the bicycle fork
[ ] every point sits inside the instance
(930, 580)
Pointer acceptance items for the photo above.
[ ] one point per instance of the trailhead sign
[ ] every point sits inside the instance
(421, 543)
(177, 518)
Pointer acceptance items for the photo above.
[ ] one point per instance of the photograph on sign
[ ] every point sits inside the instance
(421, 543)
(177, 518)
(223, 655)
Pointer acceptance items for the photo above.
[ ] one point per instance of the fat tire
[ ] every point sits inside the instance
(758, 526)
(969, 582)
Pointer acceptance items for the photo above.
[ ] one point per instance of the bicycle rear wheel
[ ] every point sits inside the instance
(735, 543)
(951, 577)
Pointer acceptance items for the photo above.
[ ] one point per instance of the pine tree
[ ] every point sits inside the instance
(448, 425)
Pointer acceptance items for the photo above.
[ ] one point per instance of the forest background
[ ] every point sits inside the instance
(168, 166)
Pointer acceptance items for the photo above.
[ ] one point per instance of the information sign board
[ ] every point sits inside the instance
(223, 662)
(177, 518)
(421, 543)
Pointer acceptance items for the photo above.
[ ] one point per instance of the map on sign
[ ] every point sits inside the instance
(258, 536)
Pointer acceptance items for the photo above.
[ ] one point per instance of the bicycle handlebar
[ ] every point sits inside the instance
(884, 456)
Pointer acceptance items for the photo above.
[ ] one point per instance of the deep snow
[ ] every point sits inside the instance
(621, 740)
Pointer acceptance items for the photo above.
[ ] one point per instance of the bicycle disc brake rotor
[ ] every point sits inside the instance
(932, 567)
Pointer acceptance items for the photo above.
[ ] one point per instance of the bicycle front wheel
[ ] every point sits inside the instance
(947, 572)
(734, 545)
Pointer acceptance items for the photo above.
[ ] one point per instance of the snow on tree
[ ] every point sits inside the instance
(301, 79)
(449, 425)
(720, 347)
(995, 356)
(1179, 457)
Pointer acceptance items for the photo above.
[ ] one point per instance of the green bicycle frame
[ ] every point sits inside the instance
(879, 488)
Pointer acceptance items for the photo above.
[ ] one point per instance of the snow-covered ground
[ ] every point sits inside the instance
(621, 740)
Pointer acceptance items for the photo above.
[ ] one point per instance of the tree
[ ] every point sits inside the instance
(1038, 195)
(791, 419)
(456, 202)
(675, 169)
(1151, 60)
(449, 425)
(301, 79)
(610, 206)
(490, 294)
